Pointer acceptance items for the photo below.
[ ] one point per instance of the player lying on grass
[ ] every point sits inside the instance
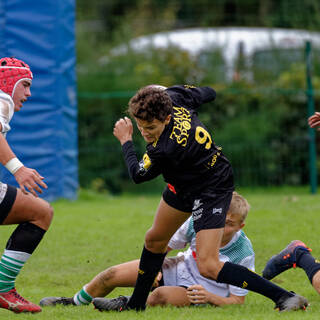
(296, 254)
(179, 283)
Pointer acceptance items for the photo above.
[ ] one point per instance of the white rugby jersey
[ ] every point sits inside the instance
(6, 111)
(239, 250)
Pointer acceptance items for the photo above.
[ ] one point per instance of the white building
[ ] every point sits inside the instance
(230, 41)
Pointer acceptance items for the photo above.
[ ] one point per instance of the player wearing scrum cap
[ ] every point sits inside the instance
(18, 205)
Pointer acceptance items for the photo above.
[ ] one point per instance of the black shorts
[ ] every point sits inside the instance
(177, 202)
(7, 202)
(208, 208)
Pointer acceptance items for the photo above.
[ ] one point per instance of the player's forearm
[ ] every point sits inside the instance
(135, 171)
(132, 162)
(220, 301)
(6, 153)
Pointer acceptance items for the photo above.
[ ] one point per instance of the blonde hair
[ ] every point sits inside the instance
(239, 205)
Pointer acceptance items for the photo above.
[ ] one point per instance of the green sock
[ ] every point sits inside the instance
(82, 297)
(10, 265)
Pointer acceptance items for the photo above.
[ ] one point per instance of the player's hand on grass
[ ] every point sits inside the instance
(30, 180)
(314, 120)
(123, 130)
(197, 294)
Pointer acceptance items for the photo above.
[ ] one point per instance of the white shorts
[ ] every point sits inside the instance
(3, 190)
(175, 272)
(183, 271)
(7, 198)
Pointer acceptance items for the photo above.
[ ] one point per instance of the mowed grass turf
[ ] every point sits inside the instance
(98, 231)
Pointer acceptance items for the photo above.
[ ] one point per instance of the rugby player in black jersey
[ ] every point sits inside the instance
(200, 182)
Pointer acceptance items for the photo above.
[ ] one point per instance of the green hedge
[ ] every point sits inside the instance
(261, 125)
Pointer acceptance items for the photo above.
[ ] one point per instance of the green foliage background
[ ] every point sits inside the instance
(260, 120)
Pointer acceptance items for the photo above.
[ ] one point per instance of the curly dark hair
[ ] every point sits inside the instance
(150, 103)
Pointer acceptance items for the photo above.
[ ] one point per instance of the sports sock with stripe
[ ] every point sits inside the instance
(21, 244)
(82, 297)
(10, 265)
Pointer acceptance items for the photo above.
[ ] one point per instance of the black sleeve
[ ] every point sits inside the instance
(191, 96)
(139, 171)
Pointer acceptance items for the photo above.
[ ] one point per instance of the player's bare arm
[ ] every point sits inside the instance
(197, 294)
(6, 153)
(28, 179)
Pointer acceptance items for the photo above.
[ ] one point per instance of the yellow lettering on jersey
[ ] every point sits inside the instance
(146, 161)
(181, 126)
(188, 86)
(140, 271)
(244, 284)
(202, 136)
(155, 143)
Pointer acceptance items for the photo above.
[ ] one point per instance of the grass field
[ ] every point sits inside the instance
(98, 231)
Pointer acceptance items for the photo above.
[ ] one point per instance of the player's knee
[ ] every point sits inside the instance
(208, 269)
(157, 297)
(105, 277)
(154, 244)
(50, 213)
(47, 214)
(316, 281)
(150, 241)
(41, 213)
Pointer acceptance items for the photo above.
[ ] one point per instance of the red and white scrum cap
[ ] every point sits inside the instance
(13, 71)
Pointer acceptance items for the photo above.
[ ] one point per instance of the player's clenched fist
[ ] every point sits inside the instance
(123, 130)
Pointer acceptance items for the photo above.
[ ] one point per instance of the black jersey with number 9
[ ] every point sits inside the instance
(185, 153)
